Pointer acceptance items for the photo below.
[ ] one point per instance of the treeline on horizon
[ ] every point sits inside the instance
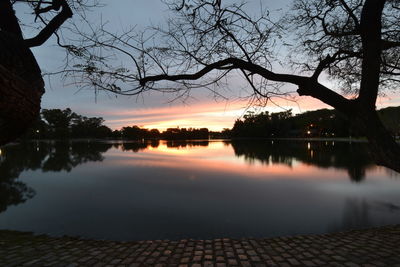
(319, 123)
(64, 124)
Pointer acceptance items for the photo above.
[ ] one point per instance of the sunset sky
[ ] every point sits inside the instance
(154, 110)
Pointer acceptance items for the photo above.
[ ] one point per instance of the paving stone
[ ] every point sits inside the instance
(196, 258)
(184, 260)
(369, 247)
(232, 262)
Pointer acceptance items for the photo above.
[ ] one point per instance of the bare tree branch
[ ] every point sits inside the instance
(53, 25)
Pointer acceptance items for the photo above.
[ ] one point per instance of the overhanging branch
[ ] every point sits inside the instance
(307, 85)
(231, 63)
(53, 25)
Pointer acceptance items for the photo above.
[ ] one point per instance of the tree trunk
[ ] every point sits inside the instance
(21, 87)
(383, 147)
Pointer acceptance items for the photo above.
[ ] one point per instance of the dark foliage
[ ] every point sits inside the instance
(62, 124)
(319, 123)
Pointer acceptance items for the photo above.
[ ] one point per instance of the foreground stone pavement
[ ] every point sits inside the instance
(370, 247)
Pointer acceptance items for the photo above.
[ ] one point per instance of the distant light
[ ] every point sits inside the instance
(308, 132)
(37, 131)
(0, 152)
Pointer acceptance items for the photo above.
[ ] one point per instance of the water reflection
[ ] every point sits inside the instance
(340, 155)
(361, 213)
(184, 143)
(135, 146)
(192, 189)
(356, 214)
(64, 156)
(44, 156)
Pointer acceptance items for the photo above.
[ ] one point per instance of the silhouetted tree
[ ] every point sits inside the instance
(84, 127)
(185, 134)
(357, 43)
(21, 83)
(59, 121)
(133, 132)
(59, 124)
(154, 134)
(391, 118)
(39, 130)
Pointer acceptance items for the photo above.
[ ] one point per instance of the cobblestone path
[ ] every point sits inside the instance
(370, 247)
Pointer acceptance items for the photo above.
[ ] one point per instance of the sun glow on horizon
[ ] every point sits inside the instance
(212, 115)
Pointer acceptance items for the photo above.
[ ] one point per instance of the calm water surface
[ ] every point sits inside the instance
(202, 189)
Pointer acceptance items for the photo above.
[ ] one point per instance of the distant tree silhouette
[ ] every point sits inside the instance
(317, 123)
(391, 118)
(264, 125)
(84, 127)
(137, 133)
(133, 132)
(62, 124)
(185, 134)
(59, 121)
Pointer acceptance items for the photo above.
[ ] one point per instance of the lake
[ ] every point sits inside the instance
(193, 189)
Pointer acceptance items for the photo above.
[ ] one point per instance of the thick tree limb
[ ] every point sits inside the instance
(351, 13)
(307, 85)
(19, 105)
(231, 63)
(370, 30)
(8, 20)
(389, 44)
(53, 25)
